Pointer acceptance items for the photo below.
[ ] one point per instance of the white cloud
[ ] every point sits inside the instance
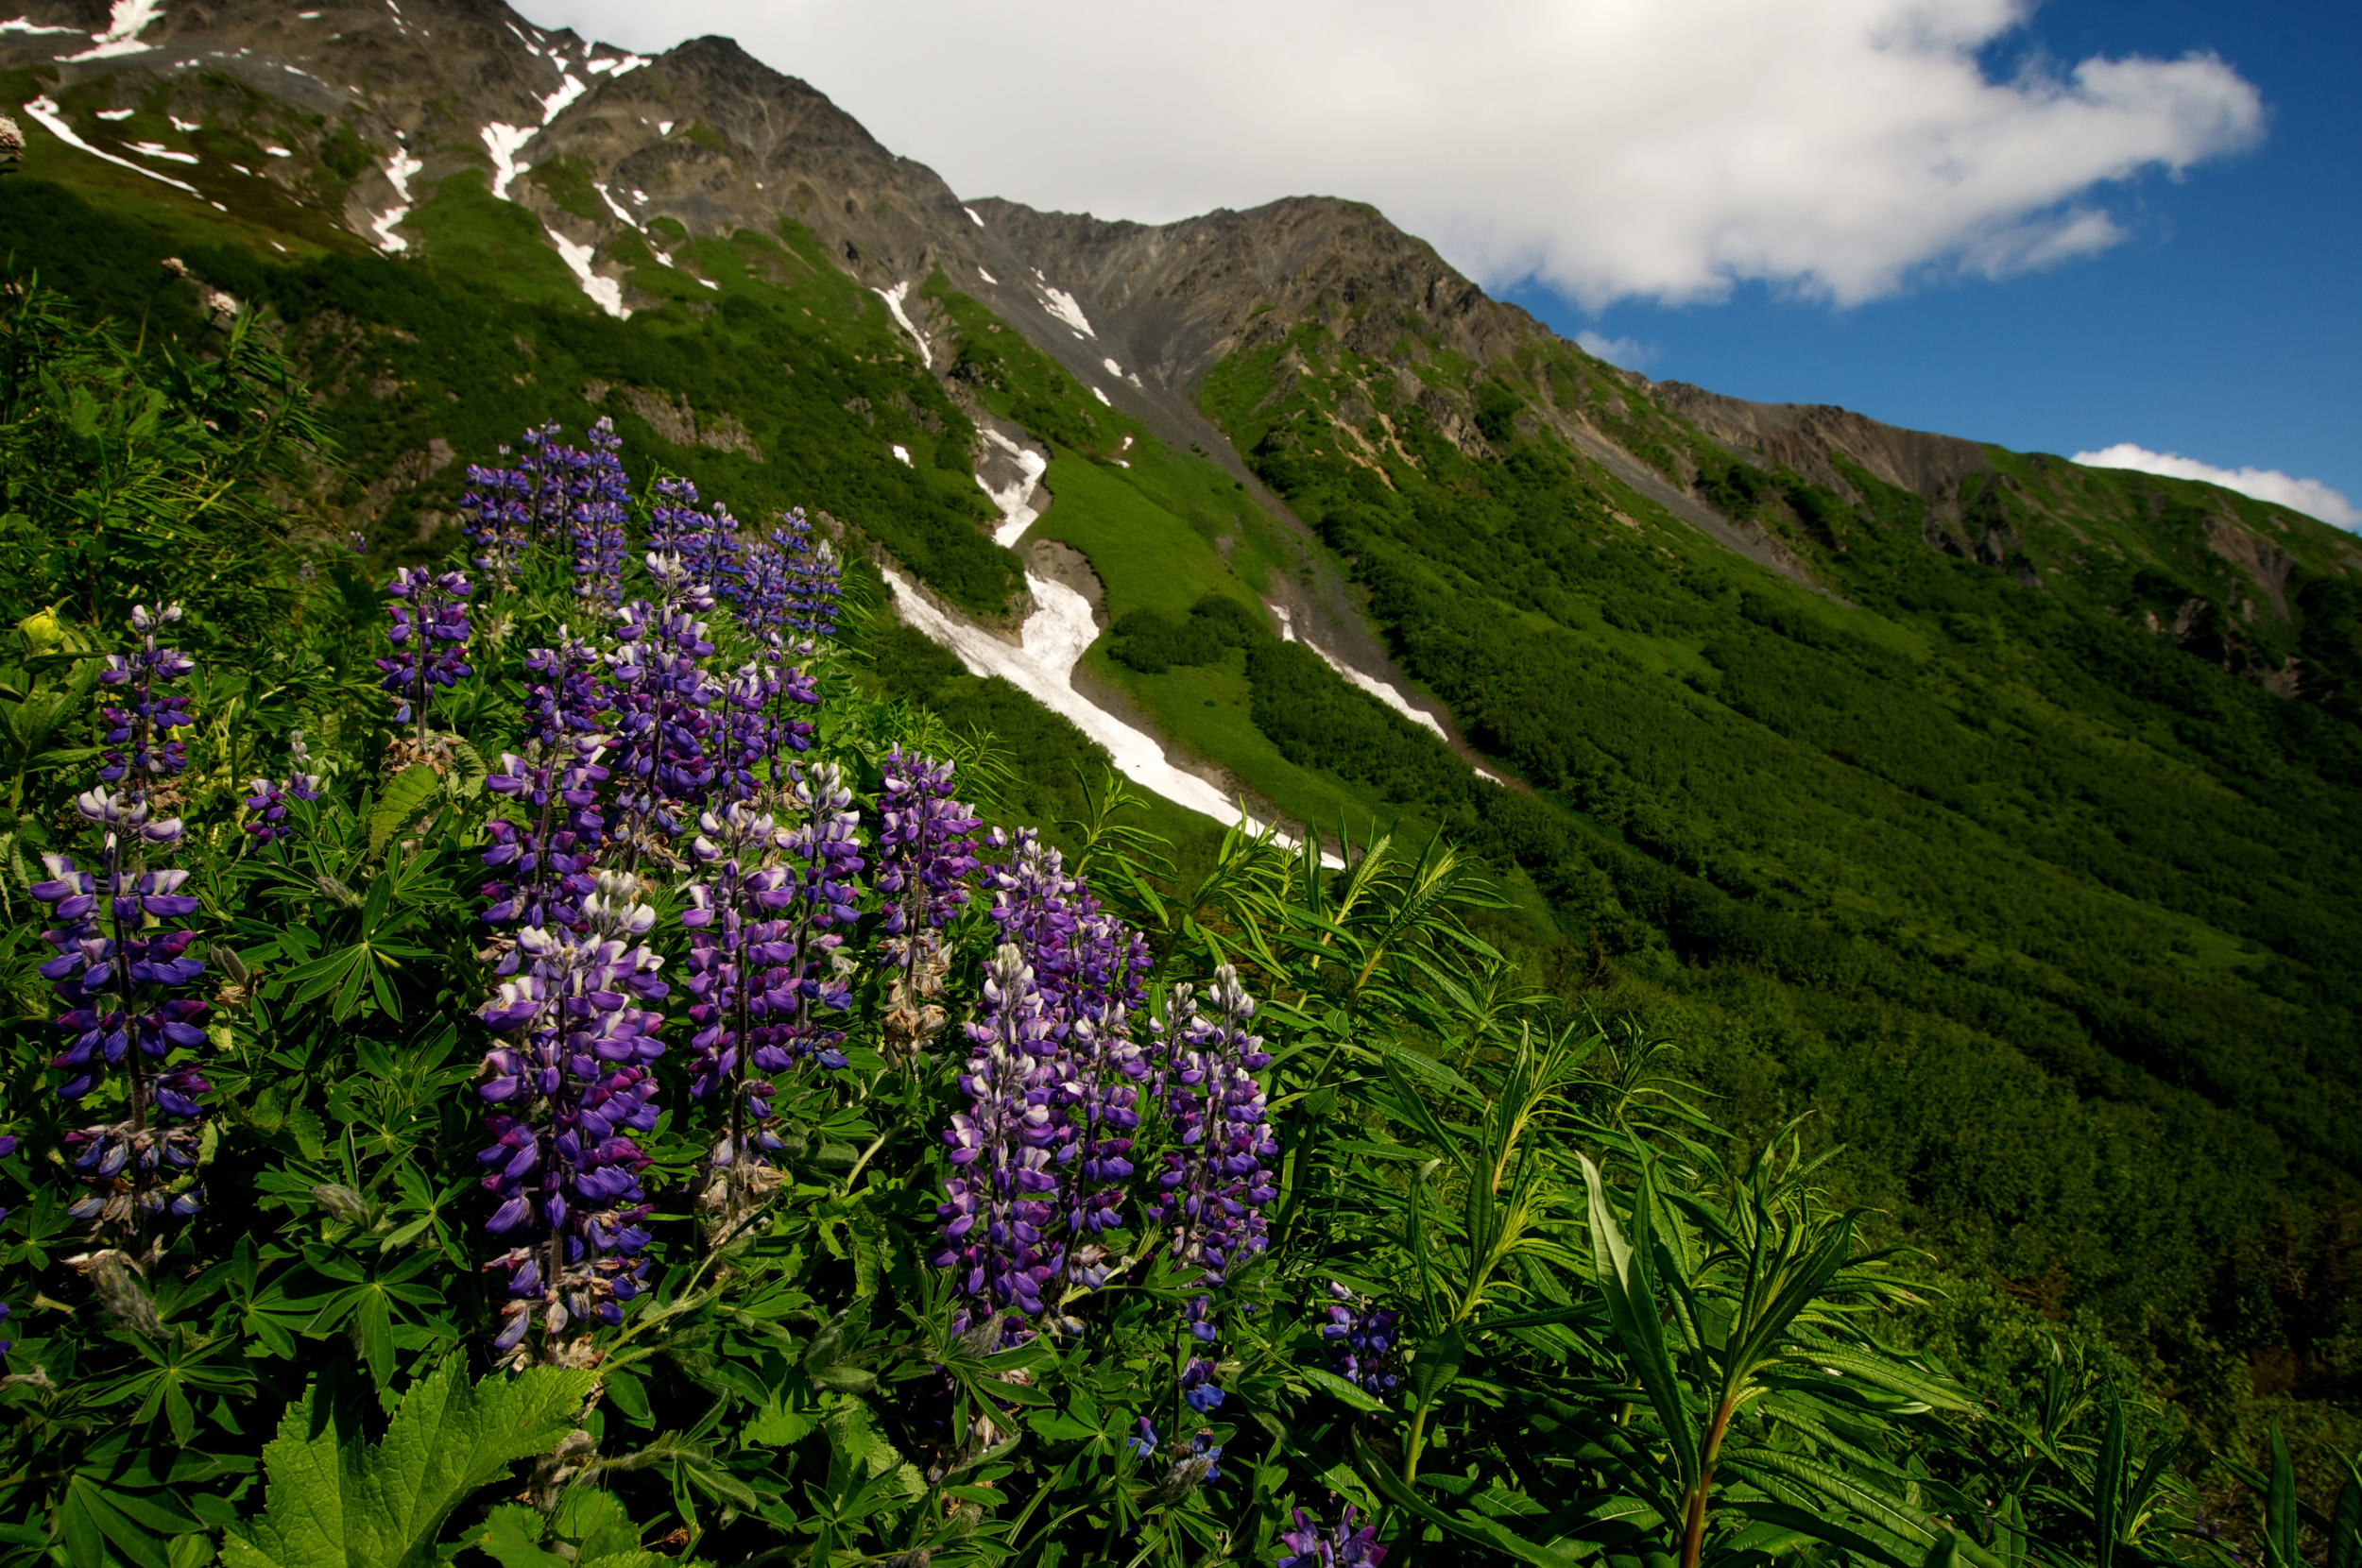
(1624, 352)
(1665, 148)
(2309, 496)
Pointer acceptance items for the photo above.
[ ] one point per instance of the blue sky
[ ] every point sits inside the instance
(2059, 226)
(2227, 328)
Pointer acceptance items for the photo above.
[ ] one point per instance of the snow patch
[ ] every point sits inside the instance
(902, 455)
(504, 141)
(894, 297)
(665, 127)
(605, 293)
(972, 217)
(1042, 667)
(115, 113)
(1101, 395)
(1061, 304)
(157, 150)
(571, 88)
(710, 283)
(399, 169)
(125, 24)
(1113, 369)
(47, 115)
(277, 152)
(628, 63)
(617, 208)
(19, 24)
(985, 276)
(183, 127)
(1015, 503)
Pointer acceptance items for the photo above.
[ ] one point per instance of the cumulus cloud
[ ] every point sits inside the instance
(2309, 496)
(1611, 149)
(1628, 352)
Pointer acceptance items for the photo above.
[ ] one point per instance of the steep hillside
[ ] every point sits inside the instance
(1997, 811)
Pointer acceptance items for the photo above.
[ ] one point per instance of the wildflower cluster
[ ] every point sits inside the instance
(268, 797)
(1361, 1342)
(122, 955)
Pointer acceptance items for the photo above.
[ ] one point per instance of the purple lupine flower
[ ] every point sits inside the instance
(739, 958)
(139, 743)
(119, 958)
(1144, 1441)
(496, 513)
(269, 801)
(599, 492)
(429, 636)
(546, 866)
(1361, 1342)
(705, 541)
(824, 855)
(758, 726)
(926, 849)
(999, 1216)
(815, 580)
(567, 698)
(1215, 1186)
(1312, 1545)
(662, 694)
(572, 1082)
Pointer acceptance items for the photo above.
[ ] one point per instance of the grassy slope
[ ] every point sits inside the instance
(2039, 910)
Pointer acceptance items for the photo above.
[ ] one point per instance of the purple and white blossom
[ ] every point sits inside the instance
(999, 1230)
(662, 696)
(121, 956)
(926, 852)
(572, 1082)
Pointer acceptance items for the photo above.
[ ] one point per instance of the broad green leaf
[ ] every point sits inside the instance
(334, 1500)
(412, 791)
(1436, 1365)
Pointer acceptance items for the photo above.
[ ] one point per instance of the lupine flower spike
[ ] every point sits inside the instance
(571, 1082)
(1361, 1342)
(121, 956)
(430, 638)
(926, 849)
(1311, 1545)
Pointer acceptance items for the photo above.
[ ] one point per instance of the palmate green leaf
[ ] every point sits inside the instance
(409, 794)
(334, 1499)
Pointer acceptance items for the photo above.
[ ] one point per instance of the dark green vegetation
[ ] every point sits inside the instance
(784, 386)
(2048, 918)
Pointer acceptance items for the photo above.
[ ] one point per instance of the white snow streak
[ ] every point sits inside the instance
(1015, 503)
(1371, 684)
(1054, 638)
(1113, 369)
(399, 169)
(19, 24)
(571, 90)
(115, 113)
(902, 455)
(985, 276)
(1101, 395)
(183, 127)
(279, 152)
(605, 293)
(47, 114)
(972, 217)
(504, 141)
(894, 297)
(125, 24)
(1061, 304)
(157, 150)
(617, 208)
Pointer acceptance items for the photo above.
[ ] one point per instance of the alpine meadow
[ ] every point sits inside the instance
(711, 859)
